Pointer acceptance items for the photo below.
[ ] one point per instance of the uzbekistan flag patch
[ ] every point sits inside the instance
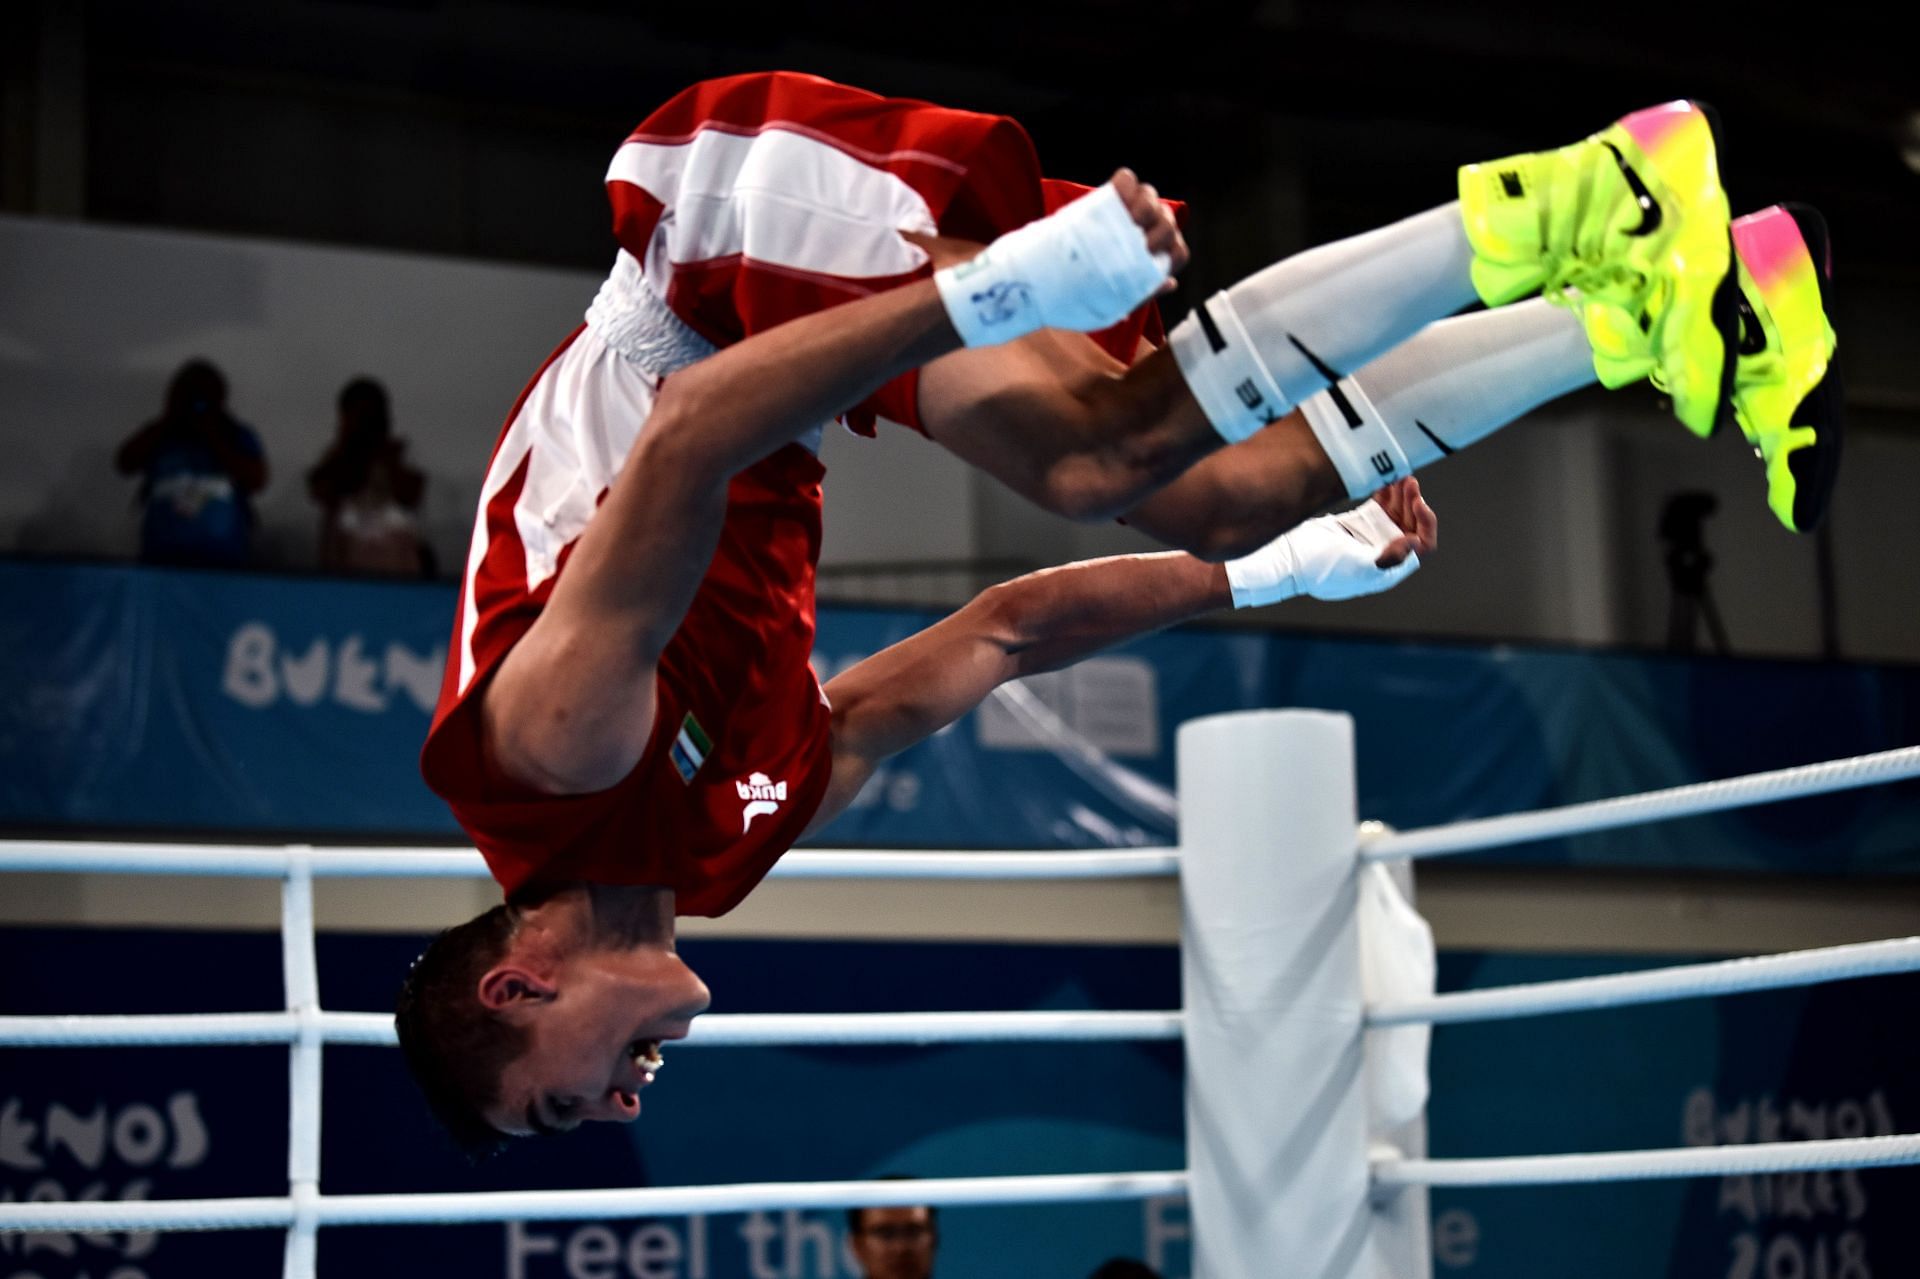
(690, 748)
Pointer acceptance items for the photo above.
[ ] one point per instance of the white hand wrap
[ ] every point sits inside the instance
(1330, 558)
(1085, 267)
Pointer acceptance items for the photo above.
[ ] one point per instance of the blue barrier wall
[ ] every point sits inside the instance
(151, 699)
(174, 1123)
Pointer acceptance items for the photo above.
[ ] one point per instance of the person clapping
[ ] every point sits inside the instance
(200, 467)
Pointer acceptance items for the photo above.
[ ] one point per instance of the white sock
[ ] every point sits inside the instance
(1253, 352)
(1451, 384)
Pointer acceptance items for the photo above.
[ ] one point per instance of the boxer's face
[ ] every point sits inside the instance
(595, 1029)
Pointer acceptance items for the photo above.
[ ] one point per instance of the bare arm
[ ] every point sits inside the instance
(571, 709)
(1040, 622)
(1245, 495)
(1053, 618)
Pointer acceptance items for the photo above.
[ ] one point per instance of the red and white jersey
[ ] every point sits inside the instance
(752, 200)
(738, 759)
(739, 205)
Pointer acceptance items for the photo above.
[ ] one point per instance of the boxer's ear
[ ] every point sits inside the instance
(506, 986)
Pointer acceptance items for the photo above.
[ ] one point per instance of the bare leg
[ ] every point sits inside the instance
(1065, 425)
(1058, 420)
(1238, 499)
(1070, 428)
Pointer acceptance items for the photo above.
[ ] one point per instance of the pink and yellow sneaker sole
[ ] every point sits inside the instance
(1786, 391)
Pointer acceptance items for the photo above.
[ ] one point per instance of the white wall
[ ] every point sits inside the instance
(896, 497)
(93, 321)
(1548, 528)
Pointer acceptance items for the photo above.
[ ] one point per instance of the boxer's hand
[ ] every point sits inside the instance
(1083, 267)
(1364, 551)
(1420, 527)
(1155, 220)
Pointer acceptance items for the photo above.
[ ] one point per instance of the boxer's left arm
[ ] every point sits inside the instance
(1050, 619)
(909, 691)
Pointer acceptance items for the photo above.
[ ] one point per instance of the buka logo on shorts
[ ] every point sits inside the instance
(763, 797)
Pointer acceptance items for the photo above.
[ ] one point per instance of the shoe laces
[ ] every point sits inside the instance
(1616, 283)
(1619, 306)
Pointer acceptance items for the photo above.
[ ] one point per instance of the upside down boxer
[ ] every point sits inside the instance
(629, 727)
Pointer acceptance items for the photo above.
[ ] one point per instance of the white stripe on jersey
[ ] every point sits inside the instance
(578, 423)
(777, 197)
(574, 431)
(786, 200)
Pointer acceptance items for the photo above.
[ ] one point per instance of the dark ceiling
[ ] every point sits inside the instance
(484, 128)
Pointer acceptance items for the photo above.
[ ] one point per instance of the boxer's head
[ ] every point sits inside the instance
(541, 1015)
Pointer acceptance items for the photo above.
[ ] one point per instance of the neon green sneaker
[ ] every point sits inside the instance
(1786, 387)
(1630, 228)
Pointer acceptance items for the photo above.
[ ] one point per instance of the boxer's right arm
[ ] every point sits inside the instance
(571, 707)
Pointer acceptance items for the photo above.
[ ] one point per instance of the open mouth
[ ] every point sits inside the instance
(645, 1053)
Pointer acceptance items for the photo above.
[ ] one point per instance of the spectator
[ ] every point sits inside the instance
(1124, 1268)
(893, 1243)
(369, 494)
(199, 468)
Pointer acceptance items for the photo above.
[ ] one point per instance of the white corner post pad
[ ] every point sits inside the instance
(1084, 267)
(1229, 380)
(1278, 1131)
(1355, 436)
(1330, 557)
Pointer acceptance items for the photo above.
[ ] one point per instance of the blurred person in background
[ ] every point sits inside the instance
(893, 1243)
(1124, 1268)
(199, 467)
(369, 494)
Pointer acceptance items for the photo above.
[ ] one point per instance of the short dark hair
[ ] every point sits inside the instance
(933, 1213)
(367, 399)
(197, 384)
(454, 1045)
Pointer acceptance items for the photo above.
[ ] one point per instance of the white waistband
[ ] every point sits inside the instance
(631, 318)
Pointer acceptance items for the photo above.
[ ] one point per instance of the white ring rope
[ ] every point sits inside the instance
(716, 1030)
(846, 863)
(1652, 1165)
(762, 1029)
(1653, 806)
(562, 1205)
(272, 861)
(728, 1030)
(305, 1026)
(1688, 981)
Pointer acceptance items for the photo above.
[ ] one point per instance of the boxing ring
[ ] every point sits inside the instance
(1306, 1005)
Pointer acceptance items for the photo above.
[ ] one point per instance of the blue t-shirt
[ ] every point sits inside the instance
(195, 513)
